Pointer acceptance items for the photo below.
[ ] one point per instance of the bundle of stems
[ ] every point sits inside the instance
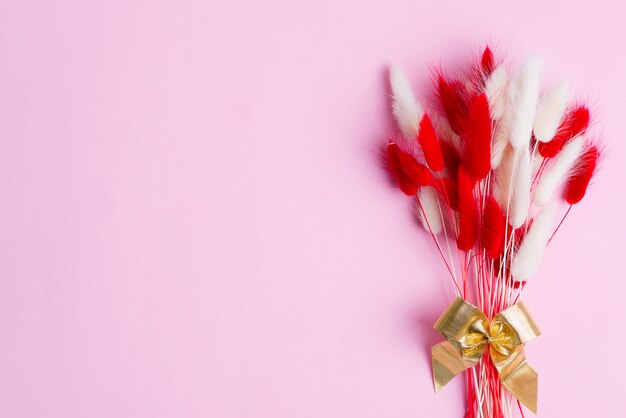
(486, 168)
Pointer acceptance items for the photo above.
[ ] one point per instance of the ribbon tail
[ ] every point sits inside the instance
(447, 363)
(518, 376)
(523, 384)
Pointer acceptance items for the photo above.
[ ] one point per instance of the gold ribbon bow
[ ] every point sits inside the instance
(469, 332)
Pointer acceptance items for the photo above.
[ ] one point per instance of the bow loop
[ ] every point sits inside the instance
(469, 332)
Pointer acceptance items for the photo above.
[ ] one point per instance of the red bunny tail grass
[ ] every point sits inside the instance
(447, 190)
(451, 157)
(429, 142)
(468, 214)
(574, 123)
(409, 173)
(477, 156)
(453, 103)
(487, 63)
(579, 120)
(576, 186)
(519, 233)
(493, 227)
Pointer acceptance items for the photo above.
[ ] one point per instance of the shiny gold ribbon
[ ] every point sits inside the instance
(468, 332)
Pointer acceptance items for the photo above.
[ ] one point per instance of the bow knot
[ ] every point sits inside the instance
(469, 333)
(495, 334)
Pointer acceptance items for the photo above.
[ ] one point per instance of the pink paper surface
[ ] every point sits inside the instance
(194, 222)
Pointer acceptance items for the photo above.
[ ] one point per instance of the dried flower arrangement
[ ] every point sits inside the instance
(486, 168)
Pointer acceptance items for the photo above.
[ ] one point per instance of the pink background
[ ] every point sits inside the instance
(193, 221)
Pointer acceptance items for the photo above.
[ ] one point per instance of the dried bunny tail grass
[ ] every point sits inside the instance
(492, 228)
(429, 142)
(557, 173)
(501, 112)
(477, 152)
(445, 132)
(503, 176)
(468, 211)
(408, 173)
(575, 122)
(582, 173)
(524, 94)
(487, 61)
(427, 209)
(451, 158)
(525, 262)
(499, 144)
(495, 89)
(452, 96)
(550, 111)
(406, 110)
(521, 188)
(447, 189)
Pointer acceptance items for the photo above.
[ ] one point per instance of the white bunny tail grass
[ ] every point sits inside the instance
(526, 261)
(500, 143)
(501, 112)
(504, 177)
(557, 173)
(522, 182)
(550, 111)
(524, 94)
(495, 89)
(407, 112)
(428, 210)
(444, 131)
